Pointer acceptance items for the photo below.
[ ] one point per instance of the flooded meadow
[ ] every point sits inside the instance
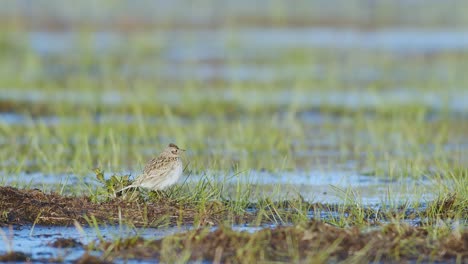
(314, 134)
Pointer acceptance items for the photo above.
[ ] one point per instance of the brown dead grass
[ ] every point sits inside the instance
(34, 206)
(315, 241)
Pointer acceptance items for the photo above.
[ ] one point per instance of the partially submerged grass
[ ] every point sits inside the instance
(310, 242)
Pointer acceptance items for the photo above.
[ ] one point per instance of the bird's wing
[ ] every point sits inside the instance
(156, 168)
(153, 165)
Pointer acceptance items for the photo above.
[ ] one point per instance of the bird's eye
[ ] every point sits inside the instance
(174, 152)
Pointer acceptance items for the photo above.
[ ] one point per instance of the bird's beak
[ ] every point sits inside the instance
(182, 149)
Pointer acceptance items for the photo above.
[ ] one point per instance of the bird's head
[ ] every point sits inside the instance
(173, 150)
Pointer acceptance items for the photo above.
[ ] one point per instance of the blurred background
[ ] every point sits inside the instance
(315, 93)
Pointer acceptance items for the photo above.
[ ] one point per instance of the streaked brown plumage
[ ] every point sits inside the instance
(162, 171)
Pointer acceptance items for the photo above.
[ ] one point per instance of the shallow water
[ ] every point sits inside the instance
(35, 240)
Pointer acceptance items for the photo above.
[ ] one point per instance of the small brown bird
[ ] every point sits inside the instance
(162, 171)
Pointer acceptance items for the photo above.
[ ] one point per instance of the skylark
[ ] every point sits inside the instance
(162, 171)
